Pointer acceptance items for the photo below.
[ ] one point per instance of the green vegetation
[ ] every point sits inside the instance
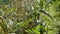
(29, 16)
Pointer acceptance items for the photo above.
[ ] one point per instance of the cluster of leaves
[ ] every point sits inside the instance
(29, 16)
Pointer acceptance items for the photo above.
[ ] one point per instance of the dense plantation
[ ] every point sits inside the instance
(29, 16)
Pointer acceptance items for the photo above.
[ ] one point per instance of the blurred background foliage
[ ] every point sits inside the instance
(29, 16)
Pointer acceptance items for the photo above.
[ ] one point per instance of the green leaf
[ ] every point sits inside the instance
(41, 4)
(22, 24)
(4, 27)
